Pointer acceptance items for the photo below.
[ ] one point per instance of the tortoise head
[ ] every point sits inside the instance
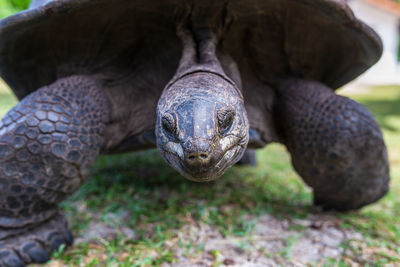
(202, 126)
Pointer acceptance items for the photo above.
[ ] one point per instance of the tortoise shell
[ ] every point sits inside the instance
(135, 42)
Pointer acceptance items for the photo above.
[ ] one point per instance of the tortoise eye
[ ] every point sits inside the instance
(225, 119)
(168, 124)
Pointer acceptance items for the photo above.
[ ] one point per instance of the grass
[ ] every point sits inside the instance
(7, 100)
(141, 192)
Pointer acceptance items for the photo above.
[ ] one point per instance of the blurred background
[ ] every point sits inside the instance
(9, 7)
(384, 17)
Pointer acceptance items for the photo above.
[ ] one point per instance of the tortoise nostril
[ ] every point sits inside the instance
(204, 156)
(198, 158)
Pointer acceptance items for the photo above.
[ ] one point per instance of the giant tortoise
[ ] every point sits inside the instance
(200, 80)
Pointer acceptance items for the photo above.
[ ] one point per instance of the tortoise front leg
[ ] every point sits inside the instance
(48, 143)
(335, 144)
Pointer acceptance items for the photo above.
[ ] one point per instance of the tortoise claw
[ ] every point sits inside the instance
(57, 241)
(10, 259)
(36, 253)
(34, 245)
(69, 238)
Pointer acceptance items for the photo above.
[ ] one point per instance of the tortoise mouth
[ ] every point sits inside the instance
(215, 171)
(208, 172)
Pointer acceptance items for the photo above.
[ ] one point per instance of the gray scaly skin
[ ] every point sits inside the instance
(49, 141)
(335, 144)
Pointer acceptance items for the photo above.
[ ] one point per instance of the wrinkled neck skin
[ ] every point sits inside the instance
(202, 127)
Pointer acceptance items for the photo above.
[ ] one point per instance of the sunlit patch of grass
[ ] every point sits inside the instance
(7, 99)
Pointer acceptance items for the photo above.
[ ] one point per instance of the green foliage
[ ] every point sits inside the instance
(398, 49)
(6, 9)
(7, 100)
(9, 7)
(19, 4)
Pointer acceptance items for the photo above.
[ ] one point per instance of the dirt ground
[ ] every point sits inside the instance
(273, 242)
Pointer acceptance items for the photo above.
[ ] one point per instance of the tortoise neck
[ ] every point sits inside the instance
(199, 54)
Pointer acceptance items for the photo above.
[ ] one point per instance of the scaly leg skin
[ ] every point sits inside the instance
(335, 144)
(48, 143)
